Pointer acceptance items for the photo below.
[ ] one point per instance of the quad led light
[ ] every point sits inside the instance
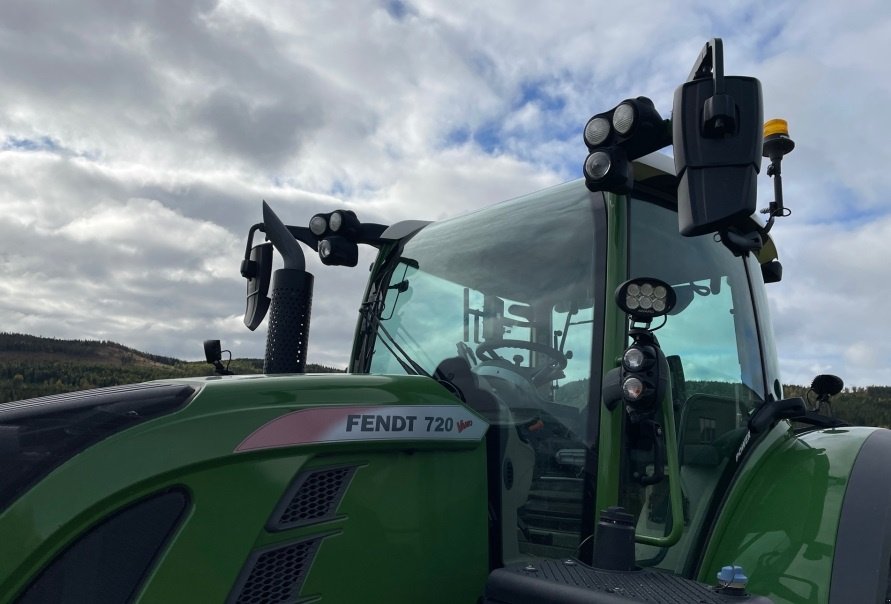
(645, 298)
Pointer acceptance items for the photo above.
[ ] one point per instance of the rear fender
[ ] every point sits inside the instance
(806, 517)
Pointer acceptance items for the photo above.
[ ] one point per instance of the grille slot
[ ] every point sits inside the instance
(275, 576)
(313, 496)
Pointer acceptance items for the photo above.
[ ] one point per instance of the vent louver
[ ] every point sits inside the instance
(275, 576)
(313, 496)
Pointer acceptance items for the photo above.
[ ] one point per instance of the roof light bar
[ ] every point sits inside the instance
(618, 136)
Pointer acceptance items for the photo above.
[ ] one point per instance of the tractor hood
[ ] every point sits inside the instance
(237, 415)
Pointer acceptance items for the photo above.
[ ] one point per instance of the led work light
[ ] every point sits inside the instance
(619, 136)
(337, 234)
(641, 379)
(645, 298)
(644, 373)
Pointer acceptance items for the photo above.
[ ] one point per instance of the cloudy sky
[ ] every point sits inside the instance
(138, 138)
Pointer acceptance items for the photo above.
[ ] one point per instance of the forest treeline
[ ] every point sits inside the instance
(858, 406)
(32, 366)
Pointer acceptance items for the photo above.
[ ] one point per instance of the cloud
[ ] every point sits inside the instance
(137, 140)
(827, 310)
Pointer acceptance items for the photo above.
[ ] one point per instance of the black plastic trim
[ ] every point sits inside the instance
(547, 581)
(71, 401)
(862, 559)
(112, 559)
(40, 434)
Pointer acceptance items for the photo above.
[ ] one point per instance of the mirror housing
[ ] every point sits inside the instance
(213, 351)
(258, 271)
(717, 136)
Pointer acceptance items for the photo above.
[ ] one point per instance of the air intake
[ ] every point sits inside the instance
(313, 496)
(275, 576)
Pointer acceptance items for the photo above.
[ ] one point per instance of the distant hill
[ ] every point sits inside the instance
(34, 366)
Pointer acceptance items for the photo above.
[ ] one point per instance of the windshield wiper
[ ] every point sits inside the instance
(375, 325)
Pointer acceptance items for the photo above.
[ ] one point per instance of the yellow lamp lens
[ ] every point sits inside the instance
(776, 127)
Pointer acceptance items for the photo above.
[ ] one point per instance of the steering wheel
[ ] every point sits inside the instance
(486, 350)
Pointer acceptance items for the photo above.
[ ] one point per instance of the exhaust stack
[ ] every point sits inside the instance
(288, 336)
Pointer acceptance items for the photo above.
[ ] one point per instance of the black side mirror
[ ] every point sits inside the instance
(717, 136)
(826, 385)
(213, 353)
(257, 269)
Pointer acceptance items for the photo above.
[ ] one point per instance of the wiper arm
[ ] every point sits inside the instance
(406, 361)
(371, 312)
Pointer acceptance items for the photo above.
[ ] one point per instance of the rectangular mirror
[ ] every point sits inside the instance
(259, 271)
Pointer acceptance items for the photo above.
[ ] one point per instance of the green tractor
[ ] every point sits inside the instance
(568, 397)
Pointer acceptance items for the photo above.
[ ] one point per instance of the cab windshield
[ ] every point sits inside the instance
(500, 305)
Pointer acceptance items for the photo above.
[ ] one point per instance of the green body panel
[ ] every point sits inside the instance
(779, 519)
(614, 342)
(402, 508)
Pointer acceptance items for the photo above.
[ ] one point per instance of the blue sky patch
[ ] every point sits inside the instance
(457, 137)
(41, 143)
(488, 137)
(535, 92)
(397, 9)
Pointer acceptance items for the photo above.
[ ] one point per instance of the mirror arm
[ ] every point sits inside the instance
(248, 247)
(710, 62)
(305, 236)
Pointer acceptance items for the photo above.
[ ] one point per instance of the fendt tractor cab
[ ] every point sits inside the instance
(568, 397)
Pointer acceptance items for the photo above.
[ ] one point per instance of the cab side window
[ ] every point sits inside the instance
(711, 341)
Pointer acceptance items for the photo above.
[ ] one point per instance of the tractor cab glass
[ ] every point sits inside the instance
(499, 305)
(711, 341)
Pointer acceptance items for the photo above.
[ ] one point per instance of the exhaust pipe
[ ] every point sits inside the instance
(288, 335)
(287, 339)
